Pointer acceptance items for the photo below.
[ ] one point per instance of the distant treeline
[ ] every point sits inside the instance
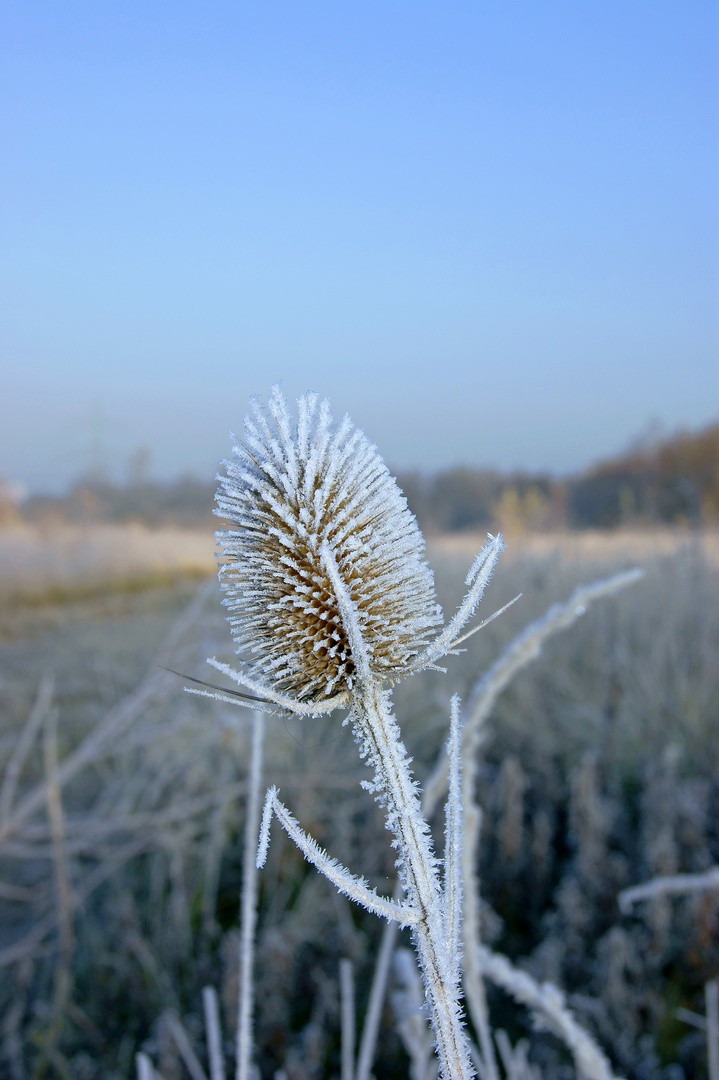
(674, 482)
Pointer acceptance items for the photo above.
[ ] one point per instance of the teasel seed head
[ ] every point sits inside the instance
(292, 492)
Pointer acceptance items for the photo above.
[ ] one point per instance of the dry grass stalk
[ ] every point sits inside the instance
(347, 1009)
(63, 891)
(214, 1033)
(674, 884)
(23, 745)
(248, 903)
(547, 1002)
(183, 1044)
(378, 992)
(711, 993)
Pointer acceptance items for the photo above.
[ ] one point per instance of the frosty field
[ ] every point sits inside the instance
(122, 809)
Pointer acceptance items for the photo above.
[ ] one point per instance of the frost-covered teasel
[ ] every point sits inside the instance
(330, 599)
(296, 493)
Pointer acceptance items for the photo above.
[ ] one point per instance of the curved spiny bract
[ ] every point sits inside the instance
(292, 490)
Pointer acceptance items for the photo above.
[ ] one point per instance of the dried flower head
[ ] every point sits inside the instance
(299, 496)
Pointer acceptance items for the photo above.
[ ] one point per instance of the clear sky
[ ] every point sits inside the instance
(488, 231)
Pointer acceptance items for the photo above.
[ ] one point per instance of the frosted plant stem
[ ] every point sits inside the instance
(23, 745)
(145, 1070)
(347, 995)
(214, 1033)
(248, 901)
(474, 987)
(184, 1046)
(377, 994)
(473, 981)
(711, 993)
(676, 883)
(547, 1002)
(63, 888)
(378, 734)
(453, 840)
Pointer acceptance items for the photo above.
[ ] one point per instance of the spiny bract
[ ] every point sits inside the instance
(289, 490)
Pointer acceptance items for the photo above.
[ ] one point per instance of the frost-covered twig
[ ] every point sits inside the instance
(547, 1003)
(411, 1016)
(214, 1033)
(347, 999)
(248, 904)
(453, 840)
(514, 1059)
(477, 578)
(182, 1042)
(528, 645)
(64, 898)
(23, 745)
(711, 995)
(144, 1067)
(377, 994)
(674, 883)
(355, 888)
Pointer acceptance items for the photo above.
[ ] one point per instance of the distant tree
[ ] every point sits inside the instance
(672, 482)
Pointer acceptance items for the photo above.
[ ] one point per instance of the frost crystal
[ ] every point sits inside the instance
(292, 491)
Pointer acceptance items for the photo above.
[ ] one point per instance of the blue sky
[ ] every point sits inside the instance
(487, 231)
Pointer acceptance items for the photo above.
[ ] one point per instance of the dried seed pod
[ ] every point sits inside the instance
(289, 490)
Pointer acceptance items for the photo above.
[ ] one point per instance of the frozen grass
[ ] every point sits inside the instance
(119, 893)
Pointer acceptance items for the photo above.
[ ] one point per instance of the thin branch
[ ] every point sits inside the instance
(711, 994)
(214, 1033)
(485, 622)
(547, 1002)
(23, 746)
(453, 839)
(144, 1067)
(676, 884)
(291, 705)
(477, 578)
(249, 903)
(411, 1017)
(346, 883)
(62, 876)
(184, 1046)
(347, 998)
(377, 995)
(528, 645)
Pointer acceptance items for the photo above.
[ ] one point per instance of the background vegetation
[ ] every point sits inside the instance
(120, 858)
(671, 481)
